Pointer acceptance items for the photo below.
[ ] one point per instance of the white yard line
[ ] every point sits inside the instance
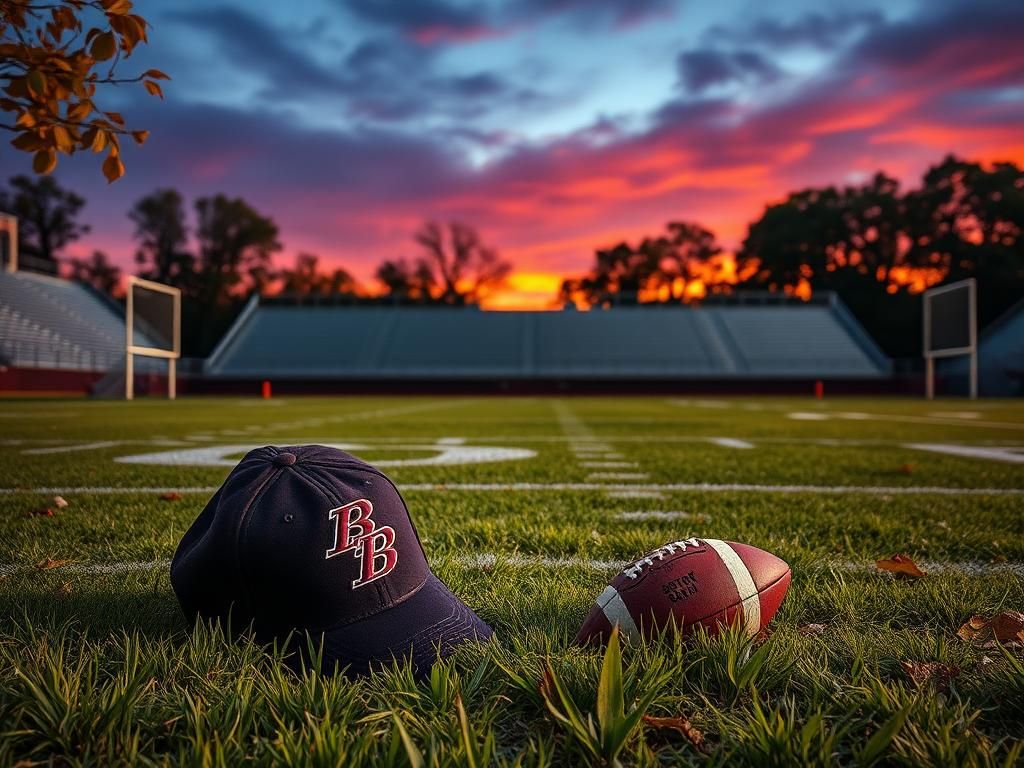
(808, 416)
(623, 488)
(72, 448)
(380, 413)
(858, 416)
(653, 515)
(972, 451)
(635, 495)
(609, 464)
(730, 442)
(515, 559)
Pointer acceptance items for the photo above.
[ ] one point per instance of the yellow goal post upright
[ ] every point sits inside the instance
(9, 226)
(152, 326)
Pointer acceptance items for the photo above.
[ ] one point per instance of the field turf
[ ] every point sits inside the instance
(98, 666)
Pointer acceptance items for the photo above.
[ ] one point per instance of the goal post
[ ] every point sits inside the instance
(9, 243)
(152, 329)
(951, 330)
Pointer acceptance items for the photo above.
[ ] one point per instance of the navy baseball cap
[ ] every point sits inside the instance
(311, 539)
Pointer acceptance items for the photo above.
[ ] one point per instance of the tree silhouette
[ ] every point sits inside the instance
(658, 269)
(47, 217)
(305, 278)
(874, 245)
(455, 267)
(162, 236)
(98, 272)
(235, 246)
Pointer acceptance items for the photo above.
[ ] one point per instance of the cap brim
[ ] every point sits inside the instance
(429, 624)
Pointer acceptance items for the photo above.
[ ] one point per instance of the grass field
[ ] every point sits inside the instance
(526, 507)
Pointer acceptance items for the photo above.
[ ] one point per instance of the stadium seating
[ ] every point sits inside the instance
(46, 322)
(1000, 360)
(769, 340)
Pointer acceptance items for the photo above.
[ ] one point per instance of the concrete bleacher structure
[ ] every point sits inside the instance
(1000, 360)
(47, 322)
(746, 338)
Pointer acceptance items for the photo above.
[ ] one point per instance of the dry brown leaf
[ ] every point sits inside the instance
(59, 502)
(973, 629)
(40, 512)
(812, 630)
(1006, 628)
(900, 565)
(170, 496)
(930, 672)
(906, 469)
(681, 725)
(64, 589)
(49, 564)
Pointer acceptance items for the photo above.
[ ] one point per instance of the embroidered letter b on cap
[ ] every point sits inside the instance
(311, 539)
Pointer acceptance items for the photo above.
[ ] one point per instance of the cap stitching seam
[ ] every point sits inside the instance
(243, 529)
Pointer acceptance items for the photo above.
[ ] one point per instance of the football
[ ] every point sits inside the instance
(695, 583)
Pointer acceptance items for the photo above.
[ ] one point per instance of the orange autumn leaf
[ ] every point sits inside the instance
(170, 496)
(1006, 628)
(901, 565)
(973, 628)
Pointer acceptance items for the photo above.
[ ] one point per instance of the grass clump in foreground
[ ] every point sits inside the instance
(199, 699)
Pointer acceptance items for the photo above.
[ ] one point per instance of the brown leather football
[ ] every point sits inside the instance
(695, 582)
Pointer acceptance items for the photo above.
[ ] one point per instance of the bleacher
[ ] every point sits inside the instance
(767, 339)
(46, 322)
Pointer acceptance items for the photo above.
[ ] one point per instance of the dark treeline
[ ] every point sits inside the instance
(874, 244)
(228, 253)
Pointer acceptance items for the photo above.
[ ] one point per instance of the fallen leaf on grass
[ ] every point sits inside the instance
(1006, 628)
(906, 469)
(49, 564)
(64, 589)
(59, 502)
(171, 496)
(40, 512)
(812, 630)
(930, 672)
(901, 565)
(681, 725)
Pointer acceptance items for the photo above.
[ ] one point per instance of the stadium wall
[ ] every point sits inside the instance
(740, 343)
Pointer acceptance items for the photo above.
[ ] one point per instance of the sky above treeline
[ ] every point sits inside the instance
(553, 126)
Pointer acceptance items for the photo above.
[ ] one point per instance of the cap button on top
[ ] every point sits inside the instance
(284, 459)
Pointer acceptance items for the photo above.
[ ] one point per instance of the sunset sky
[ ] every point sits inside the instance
(553, 126)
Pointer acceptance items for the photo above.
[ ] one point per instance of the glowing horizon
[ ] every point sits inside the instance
(554, 128)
